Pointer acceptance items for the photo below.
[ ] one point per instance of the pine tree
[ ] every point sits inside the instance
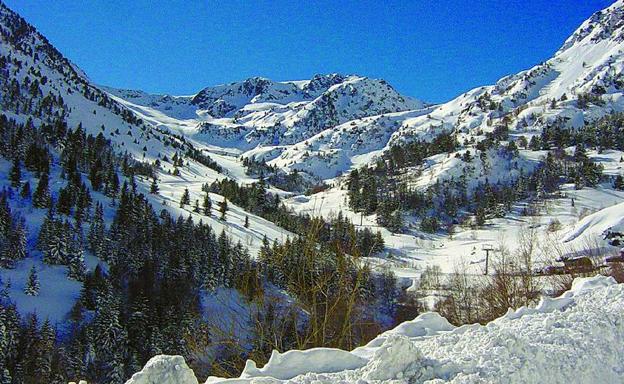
(115, 372)
(207, 204)
(32, 286)
(6, 218)
(379, 243)
(387, 292)
(25, 192)
(9, 331)
(5, 375)
(96, 174)
(429, 224)
(264, 256)
(56, 248)
(580, 155)
(18, 241)
(31, 338)
(111, 188)
(45, 351)
(42, 197)
(110, 338)
(223, 267)
(75, 263)
(196, 207)
(16, 173)
(246, 221)
(223, 207)
(396, 221)
(46, 230)
(186, 198)
(83, 203)
(384, 212)
(480, 217)
(65, 201)
(369, 195)
(579, 180)
(154, 186)
(96, 236)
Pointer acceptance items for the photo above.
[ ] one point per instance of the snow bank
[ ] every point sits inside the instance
(293, 363)
(427, 324)
(596, 224)
(548, 304)
(575, 338)
(164, 369)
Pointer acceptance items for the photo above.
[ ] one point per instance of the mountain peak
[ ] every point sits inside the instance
(604, 25)
(228, 99)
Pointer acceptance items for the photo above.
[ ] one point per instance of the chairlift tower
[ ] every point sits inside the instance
(487, 248)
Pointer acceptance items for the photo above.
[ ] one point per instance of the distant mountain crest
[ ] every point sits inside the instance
(607, 24)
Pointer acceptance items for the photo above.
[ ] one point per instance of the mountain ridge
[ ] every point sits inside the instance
(270, 124)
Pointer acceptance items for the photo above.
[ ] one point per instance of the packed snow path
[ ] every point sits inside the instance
(576, 338)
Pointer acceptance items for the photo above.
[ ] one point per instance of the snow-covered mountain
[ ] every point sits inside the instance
(583, 81)
(58, 93)
(329, 124)
(28, 57)
(224, 100)
(259, 112)
(285, 117)
(332, 123)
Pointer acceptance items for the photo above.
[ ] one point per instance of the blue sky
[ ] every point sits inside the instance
(432, 50)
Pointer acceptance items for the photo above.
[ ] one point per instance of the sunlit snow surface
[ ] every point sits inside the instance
(575, 338)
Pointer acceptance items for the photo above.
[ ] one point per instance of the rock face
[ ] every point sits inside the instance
(164, 369)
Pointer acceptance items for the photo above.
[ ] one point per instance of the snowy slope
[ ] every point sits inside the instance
(179, 107)
(330, 124)
(333, 123)
(146, 134)
(598, 224)
(591, 61)
(259, 115)
(576, 338)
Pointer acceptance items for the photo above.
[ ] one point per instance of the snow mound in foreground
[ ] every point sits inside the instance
(293, 363)
(575, 338)
(164, 369)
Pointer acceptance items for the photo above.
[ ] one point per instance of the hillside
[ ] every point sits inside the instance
(116, 220)
(29, 58)
(331, 124)
(491, 138)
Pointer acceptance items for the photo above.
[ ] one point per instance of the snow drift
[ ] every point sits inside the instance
(597, 224)
(575, 338)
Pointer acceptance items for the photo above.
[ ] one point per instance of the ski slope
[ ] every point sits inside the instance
(409, 253)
